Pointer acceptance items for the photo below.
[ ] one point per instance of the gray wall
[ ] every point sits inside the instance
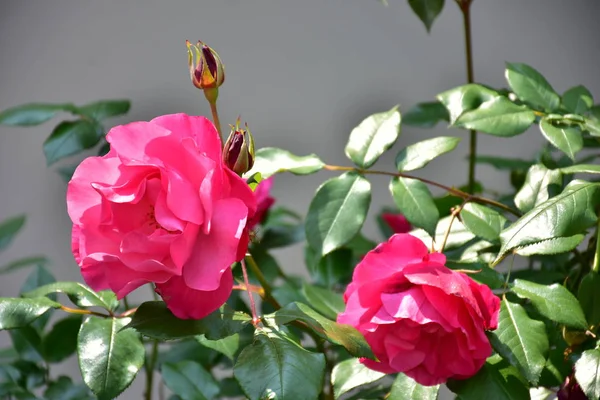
(301, 73)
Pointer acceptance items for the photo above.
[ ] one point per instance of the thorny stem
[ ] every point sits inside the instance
(150, 370)
(255, 319)
(451, 190)
(263, 282)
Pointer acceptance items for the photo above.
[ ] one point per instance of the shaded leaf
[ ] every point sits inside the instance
(64, 389)
(103, 109)
(589, 297)
(276, 367)
(335, 268)
(109, 358)
(427, 10)
(530, 86)
(71, 137)
(328, 303)
(566, 138)
(337, 212)
(372, 137)
(350, 374)
(421, 153)
(577, 100)
(405, 388)
(270, 161)
(9, 229)
(61, 341)
(540, 184)
(22, 263)
(482, 221)
(32, 114)
(415, 202)
(189, 380)
(28, 343)
(425, 115)
(503, 163)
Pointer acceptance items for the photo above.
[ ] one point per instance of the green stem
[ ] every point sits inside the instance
(451, 190)
(125, 303)
(263, 281)
(150, 370)
(596, 264)
(465, 8)
(217, 122)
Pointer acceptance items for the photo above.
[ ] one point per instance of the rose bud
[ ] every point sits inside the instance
(238, 152)
(419, 317)
(206, 69)
(397, 222)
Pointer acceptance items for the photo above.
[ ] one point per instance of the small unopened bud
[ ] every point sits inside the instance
(206, 69)
(238, 152)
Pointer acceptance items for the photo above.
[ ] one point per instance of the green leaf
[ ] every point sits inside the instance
(550, 246)
(270, 161)
(521, 340)
(17, 313)
(23, 262)
(328, 303)
(425, 115)
(531, 87)
(103, 109)
(592, 126)
(482, 273)
(421, 153)
(503, 163)
(567, 139)
(567, 214)
(153, 319)
(61, 341)
(540, 184)
(9, 229)
(64, 389)
(554, 302)
(109, 357)
(372, 137)
(577, 100)
(427, 10)
(333, 269)
(589, 297)
(189, 380)
(32, 114)
(458, 236)
(28, 344)
(405, 388)
(275, 367)
(337, 212)
(581, 169)
(587, 373)
(476, 107)
(497, 380)
(228, 345)
(482, 221)
(39, 276)
(414, 201)
(78, 293)
(350, 374)
(70, 137)
(343, 335)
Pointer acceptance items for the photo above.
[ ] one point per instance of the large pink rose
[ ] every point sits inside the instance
(160, 207)
(418, 316)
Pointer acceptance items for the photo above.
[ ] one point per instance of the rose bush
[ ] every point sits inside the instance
(418, 316)
(161, 208)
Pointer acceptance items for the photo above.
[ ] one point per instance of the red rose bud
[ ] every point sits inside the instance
(397, 222)
(206, 69)
(238, 152)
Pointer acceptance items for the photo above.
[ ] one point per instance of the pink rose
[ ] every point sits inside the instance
(160, 207)
(397, 222)
(264, 201)
(418, 316)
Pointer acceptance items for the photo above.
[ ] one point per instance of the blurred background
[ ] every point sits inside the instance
(302, 74)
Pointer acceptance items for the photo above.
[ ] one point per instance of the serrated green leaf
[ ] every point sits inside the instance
(109, 357)
(551, 246)
(270, 161)
(503, 163)
(497, 380)
(521, 340)
(427, 10)
(587, 373)
(78, 293)
(189, 380)
(32, 114)
(103, 109)
(276, 367)
(415, 202)
(566, 138)
(482, 221)
(372, 137)
(581, 169)
(227, 346)
(9, 228)
(17, 313)
(567, 214)
(421, 153)
(589, 297)
(337, 212)
(554, 302)
(325, 301)
(22, 263)
(425, 115)
(69, 138)
(405, 388)
(577, 100)
(61, 341)
(540, 184)
(350, 374)
(153, 319)
(530, 86)
(343, 335)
